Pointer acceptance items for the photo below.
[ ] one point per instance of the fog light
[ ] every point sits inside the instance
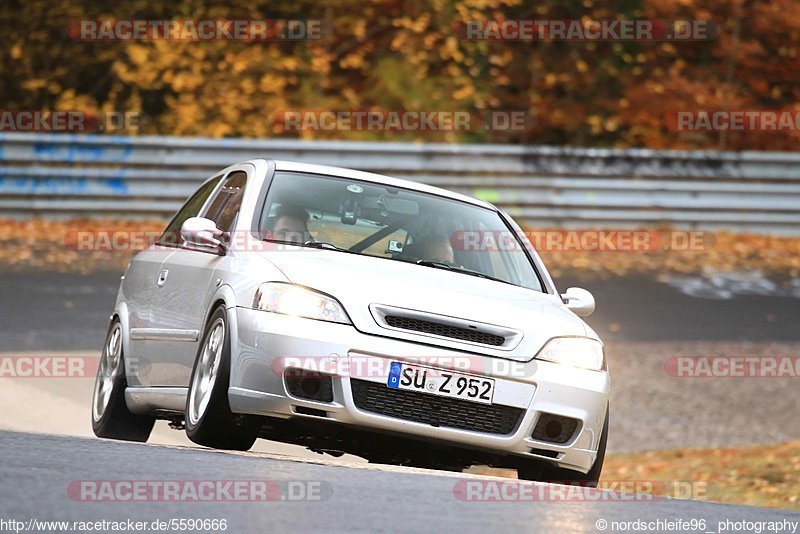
(554, 428)
(309, 385)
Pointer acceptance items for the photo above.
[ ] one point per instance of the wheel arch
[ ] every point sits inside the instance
(121, 313)
(226, 297)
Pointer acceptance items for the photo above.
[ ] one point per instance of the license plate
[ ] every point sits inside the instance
(440, 382)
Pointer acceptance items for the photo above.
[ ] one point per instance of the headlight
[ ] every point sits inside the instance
(294, 300)
(580, 352)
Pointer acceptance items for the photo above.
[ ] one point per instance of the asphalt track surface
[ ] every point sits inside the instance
(37, 471)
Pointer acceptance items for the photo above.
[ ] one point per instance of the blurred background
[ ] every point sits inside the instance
(409, 56)
(596, 150)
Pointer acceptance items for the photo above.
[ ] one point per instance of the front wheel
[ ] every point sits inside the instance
(110, 415)
(549, 473)
(209, 420)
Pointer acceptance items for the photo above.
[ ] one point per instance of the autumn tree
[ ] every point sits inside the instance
(396, 55)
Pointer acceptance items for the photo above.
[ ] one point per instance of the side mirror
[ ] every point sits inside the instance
(579, 301)
(201, 232)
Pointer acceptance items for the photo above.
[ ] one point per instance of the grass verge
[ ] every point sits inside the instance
(758, 476)
(767, 476)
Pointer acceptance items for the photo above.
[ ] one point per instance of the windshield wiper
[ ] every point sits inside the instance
(324, 245)
(321, 245)
(456, 269)
(308, 244)
(282, 241)
(437, 264)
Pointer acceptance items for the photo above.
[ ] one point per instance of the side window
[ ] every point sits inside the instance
(172, 234)
(225, 206)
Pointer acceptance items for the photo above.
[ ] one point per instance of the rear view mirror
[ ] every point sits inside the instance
(579, 301)
(401, 206)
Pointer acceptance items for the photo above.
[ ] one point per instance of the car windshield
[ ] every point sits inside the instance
(353, 216)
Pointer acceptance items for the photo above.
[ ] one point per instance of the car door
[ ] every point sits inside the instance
(140, 289)
(185, 287)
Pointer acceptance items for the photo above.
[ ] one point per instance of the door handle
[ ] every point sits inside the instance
(162, 277)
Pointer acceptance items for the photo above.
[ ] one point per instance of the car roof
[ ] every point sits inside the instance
(294, 166)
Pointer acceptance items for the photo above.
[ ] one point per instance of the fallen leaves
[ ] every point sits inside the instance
(758, 476)
(52, 245)
(718, 251)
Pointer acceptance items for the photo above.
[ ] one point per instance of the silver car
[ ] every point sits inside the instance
(351, 312)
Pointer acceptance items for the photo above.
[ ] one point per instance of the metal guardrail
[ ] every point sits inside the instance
(65, 175)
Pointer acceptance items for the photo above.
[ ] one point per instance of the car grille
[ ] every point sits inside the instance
(444, 330)
(434, 410)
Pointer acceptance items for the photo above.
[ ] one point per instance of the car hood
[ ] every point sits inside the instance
(359, 282)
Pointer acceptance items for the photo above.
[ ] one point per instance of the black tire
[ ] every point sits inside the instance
(215, 425)
(544, 472)
(113, 420)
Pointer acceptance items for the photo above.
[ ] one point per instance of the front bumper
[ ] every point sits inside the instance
(265, 344)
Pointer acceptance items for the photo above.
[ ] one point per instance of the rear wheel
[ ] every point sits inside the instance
(110, 415)
(545, 472)
(209, 420)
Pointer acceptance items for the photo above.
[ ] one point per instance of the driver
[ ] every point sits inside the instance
(436, 248)
(291, 224)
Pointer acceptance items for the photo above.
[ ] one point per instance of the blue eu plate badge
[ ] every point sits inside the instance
(394, 375)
